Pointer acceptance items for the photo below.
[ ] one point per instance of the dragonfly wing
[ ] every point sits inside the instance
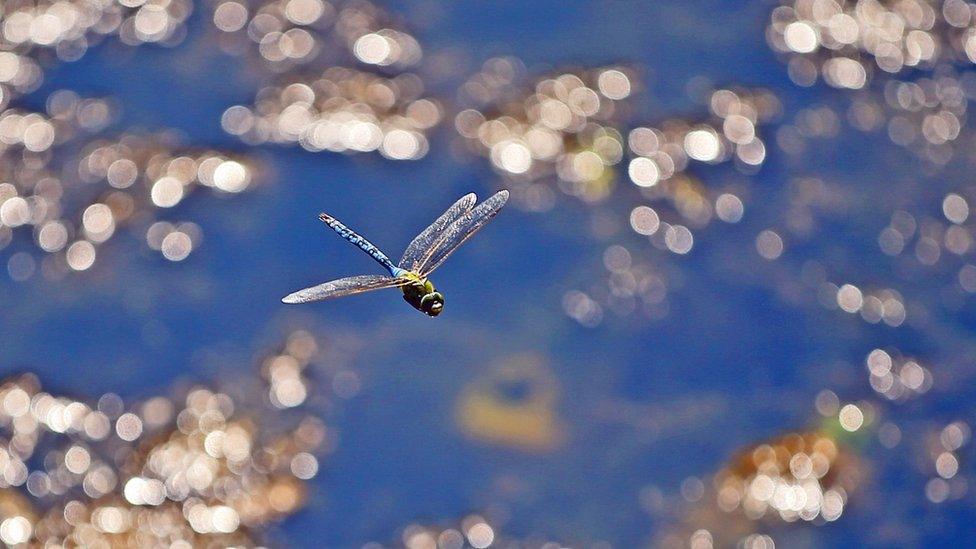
(461, 230)
(344, 286)
(424, 242)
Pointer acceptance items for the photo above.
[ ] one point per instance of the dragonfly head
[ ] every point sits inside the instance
(432, 303)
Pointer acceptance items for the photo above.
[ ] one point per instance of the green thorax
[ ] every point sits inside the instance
(422, 295)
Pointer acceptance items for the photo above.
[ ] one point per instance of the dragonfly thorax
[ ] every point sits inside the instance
(422, 295)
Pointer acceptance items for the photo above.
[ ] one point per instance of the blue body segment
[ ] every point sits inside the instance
(365, 245)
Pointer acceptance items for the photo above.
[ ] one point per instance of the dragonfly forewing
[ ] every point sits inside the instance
(343, 287)
(461, 230)
(424, 242)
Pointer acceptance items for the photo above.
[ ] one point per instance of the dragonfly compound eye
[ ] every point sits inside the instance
(432, 303)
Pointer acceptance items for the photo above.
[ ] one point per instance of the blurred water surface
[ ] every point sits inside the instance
(638, 406)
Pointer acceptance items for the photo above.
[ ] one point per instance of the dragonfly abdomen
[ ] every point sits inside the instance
(357, 239)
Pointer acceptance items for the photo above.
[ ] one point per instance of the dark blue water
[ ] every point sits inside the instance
(746, 358)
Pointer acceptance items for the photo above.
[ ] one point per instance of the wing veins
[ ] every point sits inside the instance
(460, 231)
(349, 285)
(422, 245)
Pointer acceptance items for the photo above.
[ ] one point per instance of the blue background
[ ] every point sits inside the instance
(734, 362)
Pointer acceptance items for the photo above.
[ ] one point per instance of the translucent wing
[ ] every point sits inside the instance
(344, 286)
(423, 244)
(461, 230)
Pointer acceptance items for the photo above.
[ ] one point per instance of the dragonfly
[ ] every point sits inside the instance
(426, 253)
